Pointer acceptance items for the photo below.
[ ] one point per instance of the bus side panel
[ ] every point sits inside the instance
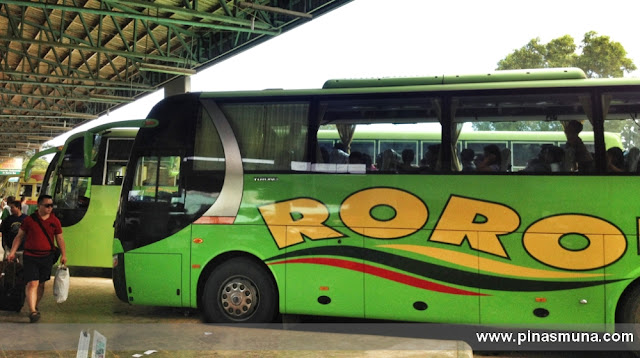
(402, 279)
(329, 283)
(89, 242)
(626, 212)
(550, 270)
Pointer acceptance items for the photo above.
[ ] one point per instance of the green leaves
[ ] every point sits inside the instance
(598, 56)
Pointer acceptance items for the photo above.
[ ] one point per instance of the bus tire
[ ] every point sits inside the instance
(239, 290)
(628, 315)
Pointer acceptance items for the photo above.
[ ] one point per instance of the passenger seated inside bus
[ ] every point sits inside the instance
(356, 158)
(390, 161)
(554, 157)
(550, 159)
(537, 165)
(615, 160)
(339, 154)
(466, 157)
(407, 167)
(362, 158)
(582, 160)
(368, 162)
(430, 161)
(492, 159)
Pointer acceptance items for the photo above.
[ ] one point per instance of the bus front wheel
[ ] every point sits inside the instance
(239, 290)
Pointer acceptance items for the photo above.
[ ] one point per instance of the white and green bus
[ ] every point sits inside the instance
(228, 205)
(84, 179)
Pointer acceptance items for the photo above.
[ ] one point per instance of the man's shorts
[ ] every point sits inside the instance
(37, 268)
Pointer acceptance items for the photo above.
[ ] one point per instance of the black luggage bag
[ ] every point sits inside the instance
(12, 286)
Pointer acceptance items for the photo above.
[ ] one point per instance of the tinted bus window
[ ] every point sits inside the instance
(622, 138)
(271, 135)
(118, 151)
(375, 132)
(536, 117)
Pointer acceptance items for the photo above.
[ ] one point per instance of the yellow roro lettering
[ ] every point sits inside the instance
(289, 221)
(410, 213)
(542, 241)
(459, 220)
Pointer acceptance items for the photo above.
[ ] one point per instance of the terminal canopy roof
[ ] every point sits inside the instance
(64, 62)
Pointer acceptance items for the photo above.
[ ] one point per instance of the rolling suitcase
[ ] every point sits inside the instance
(12, 286)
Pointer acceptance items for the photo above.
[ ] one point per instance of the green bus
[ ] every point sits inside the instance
(229, 205)
(84, 179)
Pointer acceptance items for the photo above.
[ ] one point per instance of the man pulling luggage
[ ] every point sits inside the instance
(38, 232)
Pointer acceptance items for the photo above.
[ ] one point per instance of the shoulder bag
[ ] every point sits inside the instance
(54, 249)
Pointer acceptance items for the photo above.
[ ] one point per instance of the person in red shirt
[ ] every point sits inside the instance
(39, 251)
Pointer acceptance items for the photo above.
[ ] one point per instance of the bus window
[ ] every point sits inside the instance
(155, 198)
(72, 193)
(157, 180)
(378, 131)
(522, 152)
(144, 187)
(367, 147)
(518, 133)
(621, 137)
(399, 147)
(271, 135)
(117, 155)
(26, 190)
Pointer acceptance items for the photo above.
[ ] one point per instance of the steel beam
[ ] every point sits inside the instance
(153, 19)
(126, 54)
(78, 79)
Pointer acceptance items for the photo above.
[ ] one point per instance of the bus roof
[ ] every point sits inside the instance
(509, 79)
(498, 76)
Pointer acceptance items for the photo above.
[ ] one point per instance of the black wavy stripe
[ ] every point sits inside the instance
(441, 273)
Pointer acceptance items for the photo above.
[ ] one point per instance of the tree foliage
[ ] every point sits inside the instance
(597, 56)
(602, 57)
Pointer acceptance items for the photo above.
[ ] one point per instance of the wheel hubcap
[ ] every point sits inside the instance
(239, 298)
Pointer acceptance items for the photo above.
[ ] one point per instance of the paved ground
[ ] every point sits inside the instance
(166, 332)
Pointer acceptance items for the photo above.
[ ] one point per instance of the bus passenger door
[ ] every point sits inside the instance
(156, 234)
(324, 277)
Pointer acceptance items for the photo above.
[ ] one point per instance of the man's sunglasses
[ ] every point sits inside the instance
(48, 205)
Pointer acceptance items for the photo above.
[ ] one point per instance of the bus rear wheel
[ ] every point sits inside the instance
(628, 316)
(239, 290)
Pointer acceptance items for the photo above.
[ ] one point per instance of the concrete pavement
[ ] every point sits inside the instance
(168, 332)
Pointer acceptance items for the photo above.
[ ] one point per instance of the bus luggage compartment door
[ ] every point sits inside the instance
(162, 287)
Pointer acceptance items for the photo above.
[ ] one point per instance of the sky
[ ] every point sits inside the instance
(382, 38)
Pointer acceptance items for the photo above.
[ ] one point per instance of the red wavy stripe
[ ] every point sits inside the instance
(380, 272)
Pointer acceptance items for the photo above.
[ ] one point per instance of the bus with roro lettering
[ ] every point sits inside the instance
(229, 204)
